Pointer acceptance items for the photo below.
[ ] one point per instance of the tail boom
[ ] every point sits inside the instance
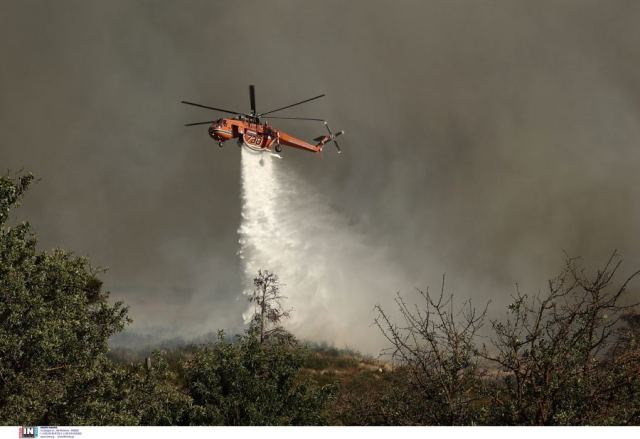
(289, 140)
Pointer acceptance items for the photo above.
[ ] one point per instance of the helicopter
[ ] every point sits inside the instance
(256, 135)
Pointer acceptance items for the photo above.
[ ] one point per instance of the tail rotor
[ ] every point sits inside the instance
(332, 136)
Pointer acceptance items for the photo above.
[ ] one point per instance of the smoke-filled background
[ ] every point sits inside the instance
(483, 139)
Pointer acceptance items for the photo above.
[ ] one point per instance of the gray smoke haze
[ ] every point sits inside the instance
(483, 138)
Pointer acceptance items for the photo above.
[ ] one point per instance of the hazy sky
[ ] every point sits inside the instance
(483, 137)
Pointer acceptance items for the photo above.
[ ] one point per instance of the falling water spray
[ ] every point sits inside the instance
(331, 274)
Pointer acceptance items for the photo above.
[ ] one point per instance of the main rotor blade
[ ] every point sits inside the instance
(292, 105)
(199, 123)
(252, 97)
(212, 108)
(294, 118)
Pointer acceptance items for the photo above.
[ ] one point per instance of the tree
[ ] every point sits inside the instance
(55, 323)
(255, 379)
(133, 394)
(268, 309)
(435, 346)
(566, 357)
(243, 382)
(561, 354)
(55, 320)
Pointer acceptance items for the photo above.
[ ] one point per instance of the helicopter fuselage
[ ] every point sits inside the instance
(259, 136)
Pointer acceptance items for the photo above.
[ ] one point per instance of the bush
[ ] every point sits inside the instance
(435, 345)
(247, 382)
(566, 357)
(562, 354)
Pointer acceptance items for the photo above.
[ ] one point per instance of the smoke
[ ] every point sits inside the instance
(483, 138)
(331, 274)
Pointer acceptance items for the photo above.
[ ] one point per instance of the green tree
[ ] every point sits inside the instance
(244, 382)
(55, 323)
(134, 394)
(55, 320)
(256, 378)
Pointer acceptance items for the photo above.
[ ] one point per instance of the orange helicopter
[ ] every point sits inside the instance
(258, 136)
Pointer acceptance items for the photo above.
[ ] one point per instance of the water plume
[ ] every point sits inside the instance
(332, 275)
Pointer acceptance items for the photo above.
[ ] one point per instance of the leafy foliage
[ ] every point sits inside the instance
(246, 382)
(55, 325)
(129, 395)
(255, 380)
(55, 321)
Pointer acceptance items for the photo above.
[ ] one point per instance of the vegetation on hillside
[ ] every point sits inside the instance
(569, 356)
